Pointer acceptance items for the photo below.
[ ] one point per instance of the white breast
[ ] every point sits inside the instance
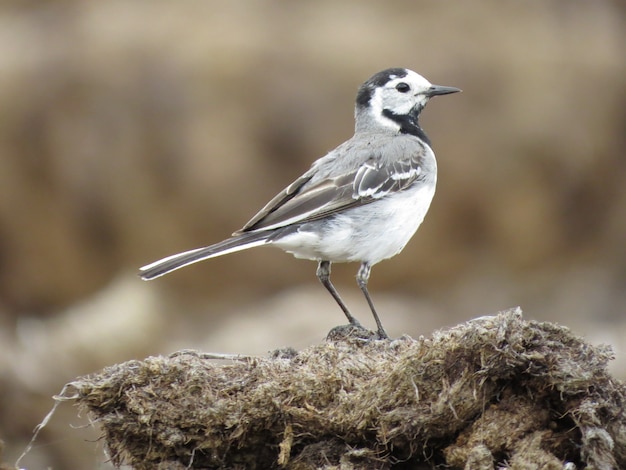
(369, 233)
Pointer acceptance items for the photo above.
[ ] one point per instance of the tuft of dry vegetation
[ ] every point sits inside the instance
(496, 390)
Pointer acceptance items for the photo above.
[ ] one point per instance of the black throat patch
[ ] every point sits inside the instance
(408, 124)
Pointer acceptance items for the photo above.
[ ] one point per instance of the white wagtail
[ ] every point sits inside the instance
(362, 202)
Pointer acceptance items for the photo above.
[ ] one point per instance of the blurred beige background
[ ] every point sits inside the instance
(133, 130)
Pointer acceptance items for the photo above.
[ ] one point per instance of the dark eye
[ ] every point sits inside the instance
(403, 87)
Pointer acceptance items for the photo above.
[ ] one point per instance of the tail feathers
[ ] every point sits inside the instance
(180, 260)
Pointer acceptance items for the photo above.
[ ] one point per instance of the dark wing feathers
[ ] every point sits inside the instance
(300, 202)
(311, 203)
(277, 201)
(375, 182)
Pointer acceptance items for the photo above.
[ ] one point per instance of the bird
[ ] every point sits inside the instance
(361, 202)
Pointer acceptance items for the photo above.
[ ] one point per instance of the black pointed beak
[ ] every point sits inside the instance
(441, 90)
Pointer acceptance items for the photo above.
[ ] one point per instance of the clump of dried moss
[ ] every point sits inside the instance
(495, 391)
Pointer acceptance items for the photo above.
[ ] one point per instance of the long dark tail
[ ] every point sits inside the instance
(174, 262)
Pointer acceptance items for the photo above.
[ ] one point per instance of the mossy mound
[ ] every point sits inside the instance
(493, 391)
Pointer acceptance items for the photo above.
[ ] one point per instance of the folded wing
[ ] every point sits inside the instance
(303, 202)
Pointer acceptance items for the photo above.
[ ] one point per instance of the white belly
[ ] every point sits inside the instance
(369, 233)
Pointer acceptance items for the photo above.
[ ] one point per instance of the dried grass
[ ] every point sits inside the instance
(497, 390)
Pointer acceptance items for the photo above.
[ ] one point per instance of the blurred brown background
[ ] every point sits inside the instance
(133, 130)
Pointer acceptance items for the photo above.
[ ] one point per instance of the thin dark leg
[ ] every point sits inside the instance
(361, 278)
(323, 274)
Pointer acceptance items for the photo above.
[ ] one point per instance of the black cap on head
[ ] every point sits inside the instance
(366, 91)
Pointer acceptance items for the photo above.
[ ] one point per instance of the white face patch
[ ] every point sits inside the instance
(376, 108)
(418, 83)
(388, 97)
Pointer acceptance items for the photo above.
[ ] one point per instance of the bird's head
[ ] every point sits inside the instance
(393, 99)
